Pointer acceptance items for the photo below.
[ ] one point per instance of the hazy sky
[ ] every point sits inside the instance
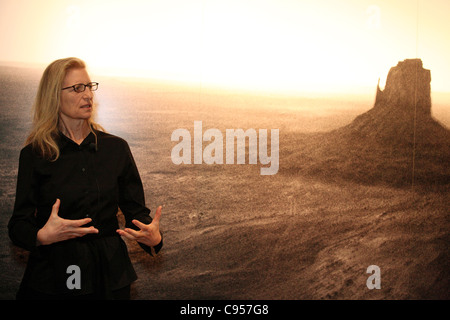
(278, 44)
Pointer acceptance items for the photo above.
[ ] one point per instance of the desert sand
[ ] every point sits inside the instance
(230, 233)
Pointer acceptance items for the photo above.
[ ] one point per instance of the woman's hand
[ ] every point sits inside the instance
(148, 234)
(58, 229)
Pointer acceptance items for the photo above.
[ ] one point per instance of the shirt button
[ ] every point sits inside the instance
(83, 169)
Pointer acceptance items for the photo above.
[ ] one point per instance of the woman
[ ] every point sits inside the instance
(72, 179)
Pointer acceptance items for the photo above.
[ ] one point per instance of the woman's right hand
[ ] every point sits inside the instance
(58, 229)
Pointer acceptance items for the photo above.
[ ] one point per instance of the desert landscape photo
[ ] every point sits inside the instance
(363, 176)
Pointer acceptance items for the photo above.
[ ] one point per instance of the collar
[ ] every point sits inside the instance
(65, 141)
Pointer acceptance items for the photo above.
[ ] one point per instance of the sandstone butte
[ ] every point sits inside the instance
(397, 142)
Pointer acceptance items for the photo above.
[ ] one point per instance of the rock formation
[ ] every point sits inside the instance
(402, 111)
(397, 142)
(407, 87)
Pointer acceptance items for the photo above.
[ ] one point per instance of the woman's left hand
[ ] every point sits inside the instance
(148, 234)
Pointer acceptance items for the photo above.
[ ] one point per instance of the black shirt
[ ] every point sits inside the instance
(91, 180)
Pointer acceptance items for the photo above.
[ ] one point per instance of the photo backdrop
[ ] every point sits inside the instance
(346, 101)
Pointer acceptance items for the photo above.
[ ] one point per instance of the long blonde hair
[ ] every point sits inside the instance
(45, 129)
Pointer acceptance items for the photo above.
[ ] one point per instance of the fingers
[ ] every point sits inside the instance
(70, 223)
(139, 224)
(146, 232)
(55, 207)
(73, 223)
(130, 233)
(134, 233)
(126, 234)
(158, 214)
(155, 220)
(79, 222)
(83, 231)
(78, 233)
(75, 227)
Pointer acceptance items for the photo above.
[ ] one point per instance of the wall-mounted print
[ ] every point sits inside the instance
(224, 150)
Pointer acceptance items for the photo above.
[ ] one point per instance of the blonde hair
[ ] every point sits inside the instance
(45, 129)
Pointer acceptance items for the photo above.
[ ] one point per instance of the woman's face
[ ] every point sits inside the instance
(76, 105)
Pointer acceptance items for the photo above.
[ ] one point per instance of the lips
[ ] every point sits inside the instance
(87, 106)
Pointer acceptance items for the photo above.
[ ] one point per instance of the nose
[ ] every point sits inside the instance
(87, 93)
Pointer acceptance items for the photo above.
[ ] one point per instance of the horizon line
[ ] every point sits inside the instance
(361, 90)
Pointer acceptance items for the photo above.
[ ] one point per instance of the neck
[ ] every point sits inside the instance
(77, 130)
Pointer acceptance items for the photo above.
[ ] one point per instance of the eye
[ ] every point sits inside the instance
(93, 86)
(79, 87)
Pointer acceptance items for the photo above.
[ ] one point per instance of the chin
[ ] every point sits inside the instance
(86, 114)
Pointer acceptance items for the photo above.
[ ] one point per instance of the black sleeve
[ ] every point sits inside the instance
(132, 198)
(22, 226)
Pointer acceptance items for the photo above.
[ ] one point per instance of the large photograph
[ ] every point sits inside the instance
(299, 149)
